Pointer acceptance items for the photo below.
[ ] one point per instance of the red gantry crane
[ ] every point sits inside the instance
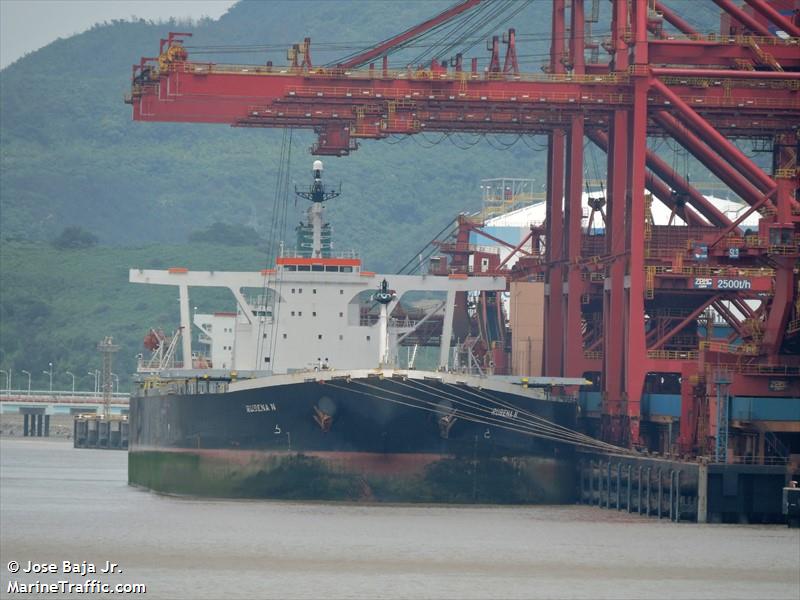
(635, 306)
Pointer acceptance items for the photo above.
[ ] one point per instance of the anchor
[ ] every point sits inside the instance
(323, 419)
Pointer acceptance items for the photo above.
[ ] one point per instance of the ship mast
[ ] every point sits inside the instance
(317, 194)
(384, 296)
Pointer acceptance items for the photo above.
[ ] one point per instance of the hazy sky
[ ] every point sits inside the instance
(27, 25)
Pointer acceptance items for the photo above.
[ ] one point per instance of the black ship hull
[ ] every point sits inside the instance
(352, 438)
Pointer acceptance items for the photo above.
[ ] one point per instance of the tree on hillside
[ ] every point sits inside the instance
(226, 234)
(75, 236)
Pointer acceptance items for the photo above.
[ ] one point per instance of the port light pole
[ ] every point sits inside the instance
(28, 373)
(94, 374)
(73, 380)
(8, 379)
(49, 372)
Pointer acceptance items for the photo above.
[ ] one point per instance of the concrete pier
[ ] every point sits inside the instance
(95, 431)
(681, 490)
(35, 423)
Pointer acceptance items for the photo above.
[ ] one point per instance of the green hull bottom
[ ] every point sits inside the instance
(354, 477)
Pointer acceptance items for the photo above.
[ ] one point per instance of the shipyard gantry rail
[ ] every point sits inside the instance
(635, 307)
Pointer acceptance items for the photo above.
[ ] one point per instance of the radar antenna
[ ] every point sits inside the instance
(317, 194)
(316, 191)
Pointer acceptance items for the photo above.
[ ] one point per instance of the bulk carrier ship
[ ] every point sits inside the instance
(299, 394)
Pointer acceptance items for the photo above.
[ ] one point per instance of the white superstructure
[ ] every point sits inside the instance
(319, 313)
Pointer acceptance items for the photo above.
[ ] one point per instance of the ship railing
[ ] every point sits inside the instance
(146, 365)
(292, 253)
(403, 323)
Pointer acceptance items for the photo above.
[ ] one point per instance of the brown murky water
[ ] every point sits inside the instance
(58, 504)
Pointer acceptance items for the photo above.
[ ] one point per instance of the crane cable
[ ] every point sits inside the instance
(438, 409)
(410, 40)
(276, 230)
(469, 416)
(531, 418)
(520, 6)
(423, 249)
(550, 428)
(473, 21)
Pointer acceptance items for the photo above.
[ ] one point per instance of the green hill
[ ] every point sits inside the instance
(57, 304)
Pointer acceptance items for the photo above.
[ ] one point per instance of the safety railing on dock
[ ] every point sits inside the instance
(59, 396)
